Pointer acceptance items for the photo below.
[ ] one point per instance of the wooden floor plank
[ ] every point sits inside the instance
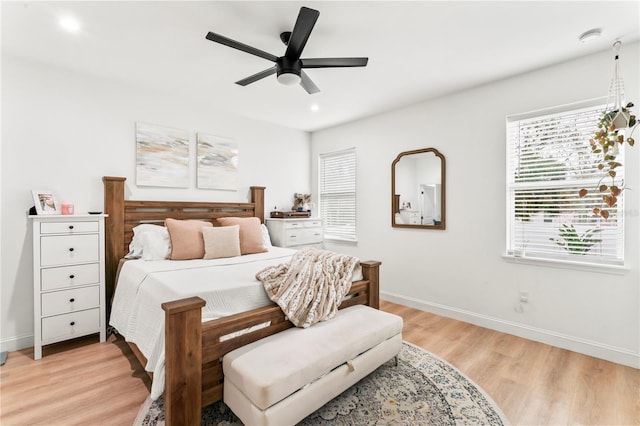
(82, 382)
(76, 383)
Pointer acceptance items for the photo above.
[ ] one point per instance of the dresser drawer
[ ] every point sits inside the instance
(68, 227)
(69, 249)
(293, 225)
(70, 325)
(303, 224)
(69, 276)
(72, 300)
(303, 236)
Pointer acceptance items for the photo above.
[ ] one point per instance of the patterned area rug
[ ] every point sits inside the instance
(421, 390)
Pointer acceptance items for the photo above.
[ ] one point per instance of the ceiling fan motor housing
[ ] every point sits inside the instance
(288, 70)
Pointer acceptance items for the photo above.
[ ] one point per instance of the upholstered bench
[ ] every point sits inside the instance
(281, 379)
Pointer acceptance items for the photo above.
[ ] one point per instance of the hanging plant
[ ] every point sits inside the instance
(606, 142)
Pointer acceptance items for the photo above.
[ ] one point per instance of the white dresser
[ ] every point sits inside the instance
(295, 233)
(411, 217)
(68, 278)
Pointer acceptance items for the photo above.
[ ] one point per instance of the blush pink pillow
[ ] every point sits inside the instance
(186, 238)
(250, 233)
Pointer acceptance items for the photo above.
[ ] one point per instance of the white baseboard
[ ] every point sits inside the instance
(572, 343)
(15, 343)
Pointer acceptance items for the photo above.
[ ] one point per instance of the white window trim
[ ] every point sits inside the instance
(567, 264)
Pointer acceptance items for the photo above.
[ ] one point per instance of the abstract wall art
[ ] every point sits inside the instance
(217, 163)
(162, 156)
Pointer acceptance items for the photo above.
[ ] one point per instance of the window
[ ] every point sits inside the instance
(549, 160)
(337, 183)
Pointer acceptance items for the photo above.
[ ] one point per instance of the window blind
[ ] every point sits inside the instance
(337, 183)
(549, 160)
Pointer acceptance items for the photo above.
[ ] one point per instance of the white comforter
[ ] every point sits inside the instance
(228, 286)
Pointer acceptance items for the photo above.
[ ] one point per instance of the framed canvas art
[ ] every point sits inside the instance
(162, 156)
(217, 163)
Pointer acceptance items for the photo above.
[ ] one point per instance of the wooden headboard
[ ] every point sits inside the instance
(124, 215)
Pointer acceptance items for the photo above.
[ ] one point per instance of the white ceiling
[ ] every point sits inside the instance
(417, 50)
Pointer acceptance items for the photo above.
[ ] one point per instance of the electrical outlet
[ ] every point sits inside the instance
(524, 297)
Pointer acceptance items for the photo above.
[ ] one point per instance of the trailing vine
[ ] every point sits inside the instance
(605, 142)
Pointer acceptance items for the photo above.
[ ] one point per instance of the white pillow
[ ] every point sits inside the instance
(265, 236)
(149, 242)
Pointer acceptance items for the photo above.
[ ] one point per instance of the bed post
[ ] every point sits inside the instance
(114, 233)
(371, 272)
(257, 197)
(183, 361)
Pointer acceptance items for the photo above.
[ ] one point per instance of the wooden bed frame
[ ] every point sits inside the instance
(193, 349)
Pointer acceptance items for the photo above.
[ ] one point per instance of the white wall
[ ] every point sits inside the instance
(63, 131)
(460, 272)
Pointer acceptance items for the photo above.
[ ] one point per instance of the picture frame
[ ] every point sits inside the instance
(46, 202)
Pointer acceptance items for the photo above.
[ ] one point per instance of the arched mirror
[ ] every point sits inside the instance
(418, 189)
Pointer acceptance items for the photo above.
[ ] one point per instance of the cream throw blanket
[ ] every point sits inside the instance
(311, 287)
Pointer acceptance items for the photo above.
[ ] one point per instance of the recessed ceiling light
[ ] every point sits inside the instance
(70, 24)
(590, 35)
(315, 107)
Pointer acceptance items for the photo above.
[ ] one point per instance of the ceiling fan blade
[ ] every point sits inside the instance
(257, 76)
(308, 84)
(334, 62)
(304, 24)
(241, 46)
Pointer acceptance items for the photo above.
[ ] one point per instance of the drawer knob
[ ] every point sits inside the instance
(71, 249)
(72, 276)
(72, 323)
(72, 300)
(70, 226)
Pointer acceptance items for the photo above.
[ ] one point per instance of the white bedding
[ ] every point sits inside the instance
(227, 285)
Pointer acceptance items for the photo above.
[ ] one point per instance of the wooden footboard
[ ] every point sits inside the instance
(194, 349)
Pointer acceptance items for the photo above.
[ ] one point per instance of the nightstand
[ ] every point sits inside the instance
(295, 233)
(68, 278)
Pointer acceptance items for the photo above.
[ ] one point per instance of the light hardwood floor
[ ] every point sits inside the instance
(84, 382)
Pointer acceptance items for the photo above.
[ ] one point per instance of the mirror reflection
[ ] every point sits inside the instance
(418, 197)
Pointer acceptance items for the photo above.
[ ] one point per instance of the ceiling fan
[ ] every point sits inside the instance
(289, 68)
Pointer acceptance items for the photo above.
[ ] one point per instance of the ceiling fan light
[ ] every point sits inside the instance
(289, 78)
